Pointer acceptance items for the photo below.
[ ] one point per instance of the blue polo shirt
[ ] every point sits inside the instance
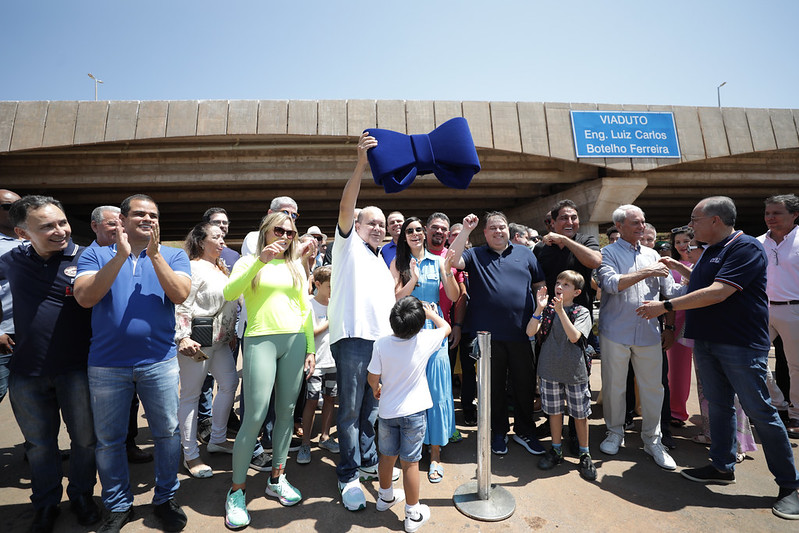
(742, 319)
(388, 252)
(500, 290)
(52, 330)
(134, 323)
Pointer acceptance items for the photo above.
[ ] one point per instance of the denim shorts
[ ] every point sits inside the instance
(576, 396)
(324, 385)
(402, 436)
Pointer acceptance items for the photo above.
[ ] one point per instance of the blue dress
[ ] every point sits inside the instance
(440, 417)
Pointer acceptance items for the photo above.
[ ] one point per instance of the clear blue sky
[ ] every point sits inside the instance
(624, 52)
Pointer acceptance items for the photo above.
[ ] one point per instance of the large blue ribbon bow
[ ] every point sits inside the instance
(447, 151)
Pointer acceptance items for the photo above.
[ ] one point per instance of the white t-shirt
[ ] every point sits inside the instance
(324, 359)
(249, 243)
(362, 291)
(402, 364)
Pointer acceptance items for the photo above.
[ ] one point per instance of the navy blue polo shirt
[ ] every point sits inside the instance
(134, 323)
(52, 330)
(742, 319)
(554, 260)
(500, 290)
(388, 252)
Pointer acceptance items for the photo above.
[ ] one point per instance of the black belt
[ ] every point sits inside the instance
(790, 302)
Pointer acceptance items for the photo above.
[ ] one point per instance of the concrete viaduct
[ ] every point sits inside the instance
(238, 154)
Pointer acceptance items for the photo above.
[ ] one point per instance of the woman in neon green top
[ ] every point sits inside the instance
(278, 345)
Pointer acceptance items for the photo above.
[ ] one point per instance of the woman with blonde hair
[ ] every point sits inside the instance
(278, 346)
(204, 245)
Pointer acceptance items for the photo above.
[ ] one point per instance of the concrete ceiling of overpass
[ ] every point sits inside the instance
(525, 167)
(186, 176)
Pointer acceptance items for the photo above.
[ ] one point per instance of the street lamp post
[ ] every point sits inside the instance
(96, 81)
(718, 91)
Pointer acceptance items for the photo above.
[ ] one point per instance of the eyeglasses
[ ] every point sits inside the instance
(681, 229)
(6, 207)
(411, 231)
(220, 222)
(280, 232)
(692, 248)
(294, 216)
(694, 219)
(776, 258)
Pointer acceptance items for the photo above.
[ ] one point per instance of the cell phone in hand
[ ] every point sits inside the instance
(199, 355)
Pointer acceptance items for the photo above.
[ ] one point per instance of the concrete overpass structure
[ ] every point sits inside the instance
(238, 154)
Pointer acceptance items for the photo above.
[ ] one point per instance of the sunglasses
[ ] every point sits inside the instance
(411, 231)
(294, 216)
(6, 207)
(681, 229)
(280, 232)
(318, 237)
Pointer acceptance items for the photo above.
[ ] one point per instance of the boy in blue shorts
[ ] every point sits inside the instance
(563, 330)
(398, 377)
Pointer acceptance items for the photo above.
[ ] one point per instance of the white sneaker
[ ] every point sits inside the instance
(660, 455)
(352, 496)
(414, 523)
(236, 515)
(611, 444)
(286, 493)
(369, 473)
(383, 505)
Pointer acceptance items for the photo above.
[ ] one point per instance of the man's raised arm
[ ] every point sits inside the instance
(349, 197)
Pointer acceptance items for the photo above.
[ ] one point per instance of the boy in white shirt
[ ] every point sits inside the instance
(323, 381)
(397, 375)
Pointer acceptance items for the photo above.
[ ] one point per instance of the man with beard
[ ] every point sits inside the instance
(437, 229)
(565, 248)
(105, 220)
(133, 287)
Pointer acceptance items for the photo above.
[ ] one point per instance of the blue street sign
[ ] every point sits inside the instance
(624, 134)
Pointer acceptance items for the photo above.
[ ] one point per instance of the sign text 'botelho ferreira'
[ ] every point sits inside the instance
(624, 134)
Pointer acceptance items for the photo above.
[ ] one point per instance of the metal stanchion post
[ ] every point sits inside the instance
(480, 499)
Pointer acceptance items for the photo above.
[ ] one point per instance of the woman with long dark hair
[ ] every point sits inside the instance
(681, 350)
(420, 273)
(278, 346)
(204, 245)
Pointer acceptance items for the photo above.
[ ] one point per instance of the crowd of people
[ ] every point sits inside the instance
(379, 329)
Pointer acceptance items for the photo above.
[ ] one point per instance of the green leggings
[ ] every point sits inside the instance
(269, 361)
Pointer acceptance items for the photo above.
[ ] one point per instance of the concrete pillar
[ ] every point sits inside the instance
(596, 200)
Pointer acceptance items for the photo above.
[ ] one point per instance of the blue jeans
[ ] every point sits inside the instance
(36, 401)
(4, 361)
(111, 389)
(357, 407)
(726, 370)
(403, 436)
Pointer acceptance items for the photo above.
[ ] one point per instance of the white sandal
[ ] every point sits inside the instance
(200, 471)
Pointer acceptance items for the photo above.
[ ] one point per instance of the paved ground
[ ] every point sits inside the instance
(631, 493)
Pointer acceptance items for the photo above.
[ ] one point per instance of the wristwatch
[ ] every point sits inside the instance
(667, 305)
